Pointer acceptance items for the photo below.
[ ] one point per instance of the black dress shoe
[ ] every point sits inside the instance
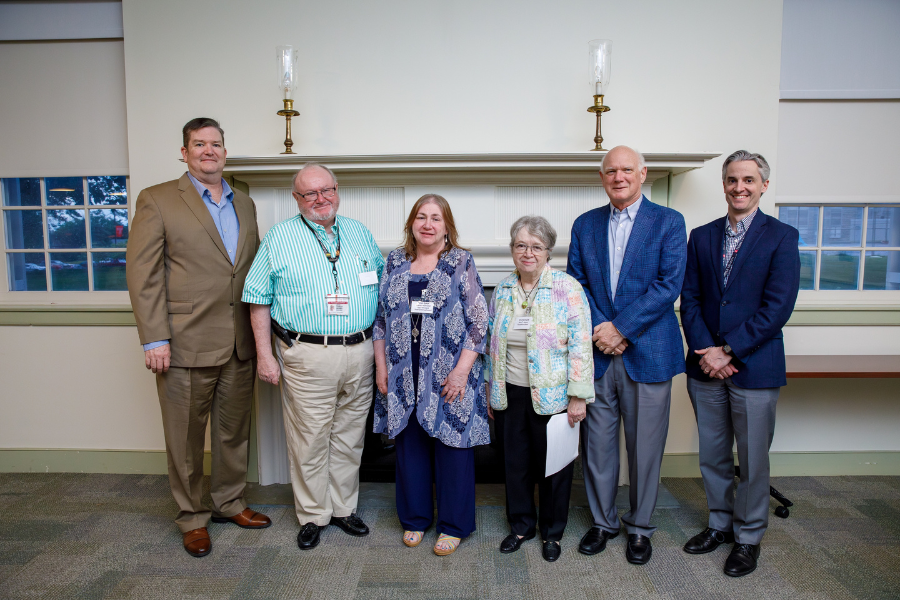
(708, 540)
(594, 541)
(638, 550)
(308, 538)
(512, 542)
(352, 525)
(551, 551)
(742, 560)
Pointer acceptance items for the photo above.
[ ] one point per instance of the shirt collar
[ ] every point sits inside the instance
(629, 211)
(742, 225)
(227, 192)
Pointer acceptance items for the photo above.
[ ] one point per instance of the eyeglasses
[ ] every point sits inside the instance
(521, 248)
(327, 193)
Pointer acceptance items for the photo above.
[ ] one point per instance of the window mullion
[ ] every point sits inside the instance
(47, 269)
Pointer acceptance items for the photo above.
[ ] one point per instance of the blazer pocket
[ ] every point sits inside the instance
(180, 308)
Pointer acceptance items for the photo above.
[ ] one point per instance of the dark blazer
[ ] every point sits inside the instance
(182, 284)
(750, 311)
(649, 283)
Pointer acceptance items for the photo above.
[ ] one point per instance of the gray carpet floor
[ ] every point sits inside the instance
(74, 536)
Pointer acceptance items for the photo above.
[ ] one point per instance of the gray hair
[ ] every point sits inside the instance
(311, 165)
(537, 226)
(741, 155)
(641, 161)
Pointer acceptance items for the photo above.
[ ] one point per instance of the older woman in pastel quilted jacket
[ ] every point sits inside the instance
(541, 364)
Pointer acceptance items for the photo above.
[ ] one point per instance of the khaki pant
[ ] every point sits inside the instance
(188, 398)
(326, 393)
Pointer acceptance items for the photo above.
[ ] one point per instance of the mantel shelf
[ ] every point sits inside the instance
(577, 168)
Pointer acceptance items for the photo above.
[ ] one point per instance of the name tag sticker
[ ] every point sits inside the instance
(522, 323)
(421, 307)
(368, 278)
(338, 304)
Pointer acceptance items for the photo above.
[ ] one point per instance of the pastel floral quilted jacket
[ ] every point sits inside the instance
(560, 356)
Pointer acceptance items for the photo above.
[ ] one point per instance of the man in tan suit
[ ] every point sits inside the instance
(191, 244)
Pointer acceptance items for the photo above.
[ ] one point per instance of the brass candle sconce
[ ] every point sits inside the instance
(286, 65)
(599, 63)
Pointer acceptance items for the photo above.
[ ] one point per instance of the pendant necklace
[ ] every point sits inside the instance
(415, 327)
(527, 302)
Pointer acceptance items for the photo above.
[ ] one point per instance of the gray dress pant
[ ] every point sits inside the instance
(726, 413)
(644, 409)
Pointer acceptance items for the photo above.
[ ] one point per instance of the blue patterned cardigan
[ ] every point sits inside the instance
(460, 322)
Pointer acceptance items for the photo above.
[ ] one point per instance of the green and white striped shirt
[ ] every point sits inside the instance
(291, 273)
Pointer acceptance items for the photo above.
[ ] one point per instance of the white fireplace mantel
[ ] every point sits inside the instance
(486, 192)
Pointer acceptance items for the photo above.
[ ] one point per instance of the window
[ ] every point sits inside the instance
(65, 233)
(854, 247)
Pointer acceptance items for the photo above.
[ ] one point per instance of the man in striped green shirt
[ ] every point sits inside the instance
(314, 283)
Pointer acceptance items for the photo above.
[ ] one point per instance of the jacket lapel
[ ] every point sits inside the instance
(195, 203)
(757, 228)
(601, 244)
(716, 248)
(244, 212)
(643, 224)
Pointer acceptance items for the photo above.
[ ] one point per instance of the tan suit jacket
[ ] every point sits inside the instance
(182, 285)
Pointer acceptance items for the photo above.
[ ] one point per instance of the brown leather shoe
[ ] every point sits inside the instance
(247, 518)
(197, 543)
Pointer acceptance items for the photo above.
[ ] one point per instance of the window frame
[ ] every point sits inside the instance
(9, 295)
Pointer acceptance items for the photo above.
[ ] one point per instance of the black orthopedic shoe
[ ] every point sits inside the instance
(638, 550)
(308, 538)
(742, 560)
(352, 525)
(512, 542)
(708, 540)
(551, 551)
(594, 541)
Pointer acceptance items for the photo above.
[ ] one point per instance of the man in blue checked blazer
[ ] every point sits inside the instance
(742, 279)
(629, 256)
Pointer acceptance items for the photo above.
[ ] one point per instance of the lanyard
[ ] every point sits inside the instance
(331, 258)
(738, 244)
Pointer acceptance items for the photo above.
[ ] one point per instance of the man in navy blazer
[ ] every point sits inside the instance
(741, 283)
(629, 256)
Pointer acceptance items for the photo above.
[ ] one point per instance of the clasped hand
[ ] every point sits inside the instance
(716, 363)
(608, 339)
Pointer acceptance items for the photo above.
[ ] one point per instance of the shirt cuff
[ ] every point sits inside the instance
(153, 345)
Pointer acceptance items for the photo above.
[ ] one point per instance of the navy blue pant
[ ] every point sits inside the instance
(423, 460)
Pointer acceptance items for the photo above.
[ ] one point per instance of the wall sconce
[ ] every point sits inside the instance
(286, 66)
(599, 63)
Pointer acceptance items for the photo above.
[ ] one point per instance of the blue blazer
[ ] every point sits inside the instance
(750, 311)
(649, 283)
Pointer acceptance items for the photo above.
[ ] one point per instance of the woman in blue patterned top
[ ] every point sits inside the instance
(430, 331)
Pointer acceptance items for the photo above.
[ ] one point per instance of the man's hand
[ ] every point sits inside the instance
(577, 410)
(716, 363)
(158, 359)
(608, 339)
(267, 367)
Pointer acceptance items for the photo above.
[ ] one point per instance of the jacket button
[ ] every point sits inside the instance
(231, 304)
(724, 302)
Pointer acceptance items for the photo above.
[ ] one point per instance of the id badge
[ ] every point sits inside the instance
(421, 307)
(368, 278)
(522, 323)
(338, 304)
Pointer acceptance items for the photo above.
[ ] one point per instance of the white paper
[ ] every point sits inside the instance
(522, 323)
(421, 307)
(562, 443)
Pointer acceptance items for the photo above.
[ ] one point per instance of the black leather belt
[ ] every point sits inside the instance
(289, 337)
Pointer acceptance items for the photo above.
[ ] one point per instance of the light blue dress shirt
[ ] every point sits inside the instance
(225, 218)
(620, 224)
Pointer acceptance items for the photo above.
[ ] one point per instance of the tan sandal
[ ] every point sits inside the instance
(446, 544)
(413, 538)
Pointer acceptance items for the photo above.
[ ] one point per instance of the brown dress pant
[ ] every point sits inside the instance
(189, 397)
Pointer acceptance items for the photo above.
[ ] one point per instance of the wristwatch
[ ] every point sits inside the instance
(727, 349)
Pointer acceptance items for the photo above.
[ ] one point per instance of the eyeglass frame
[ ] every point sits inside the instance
(316, 193)
(534, 248)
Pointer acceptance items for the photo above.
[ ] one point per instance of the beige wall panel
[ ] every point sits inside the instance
(77, 387)
(63, 109)
(860, 139)
(460, 77)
